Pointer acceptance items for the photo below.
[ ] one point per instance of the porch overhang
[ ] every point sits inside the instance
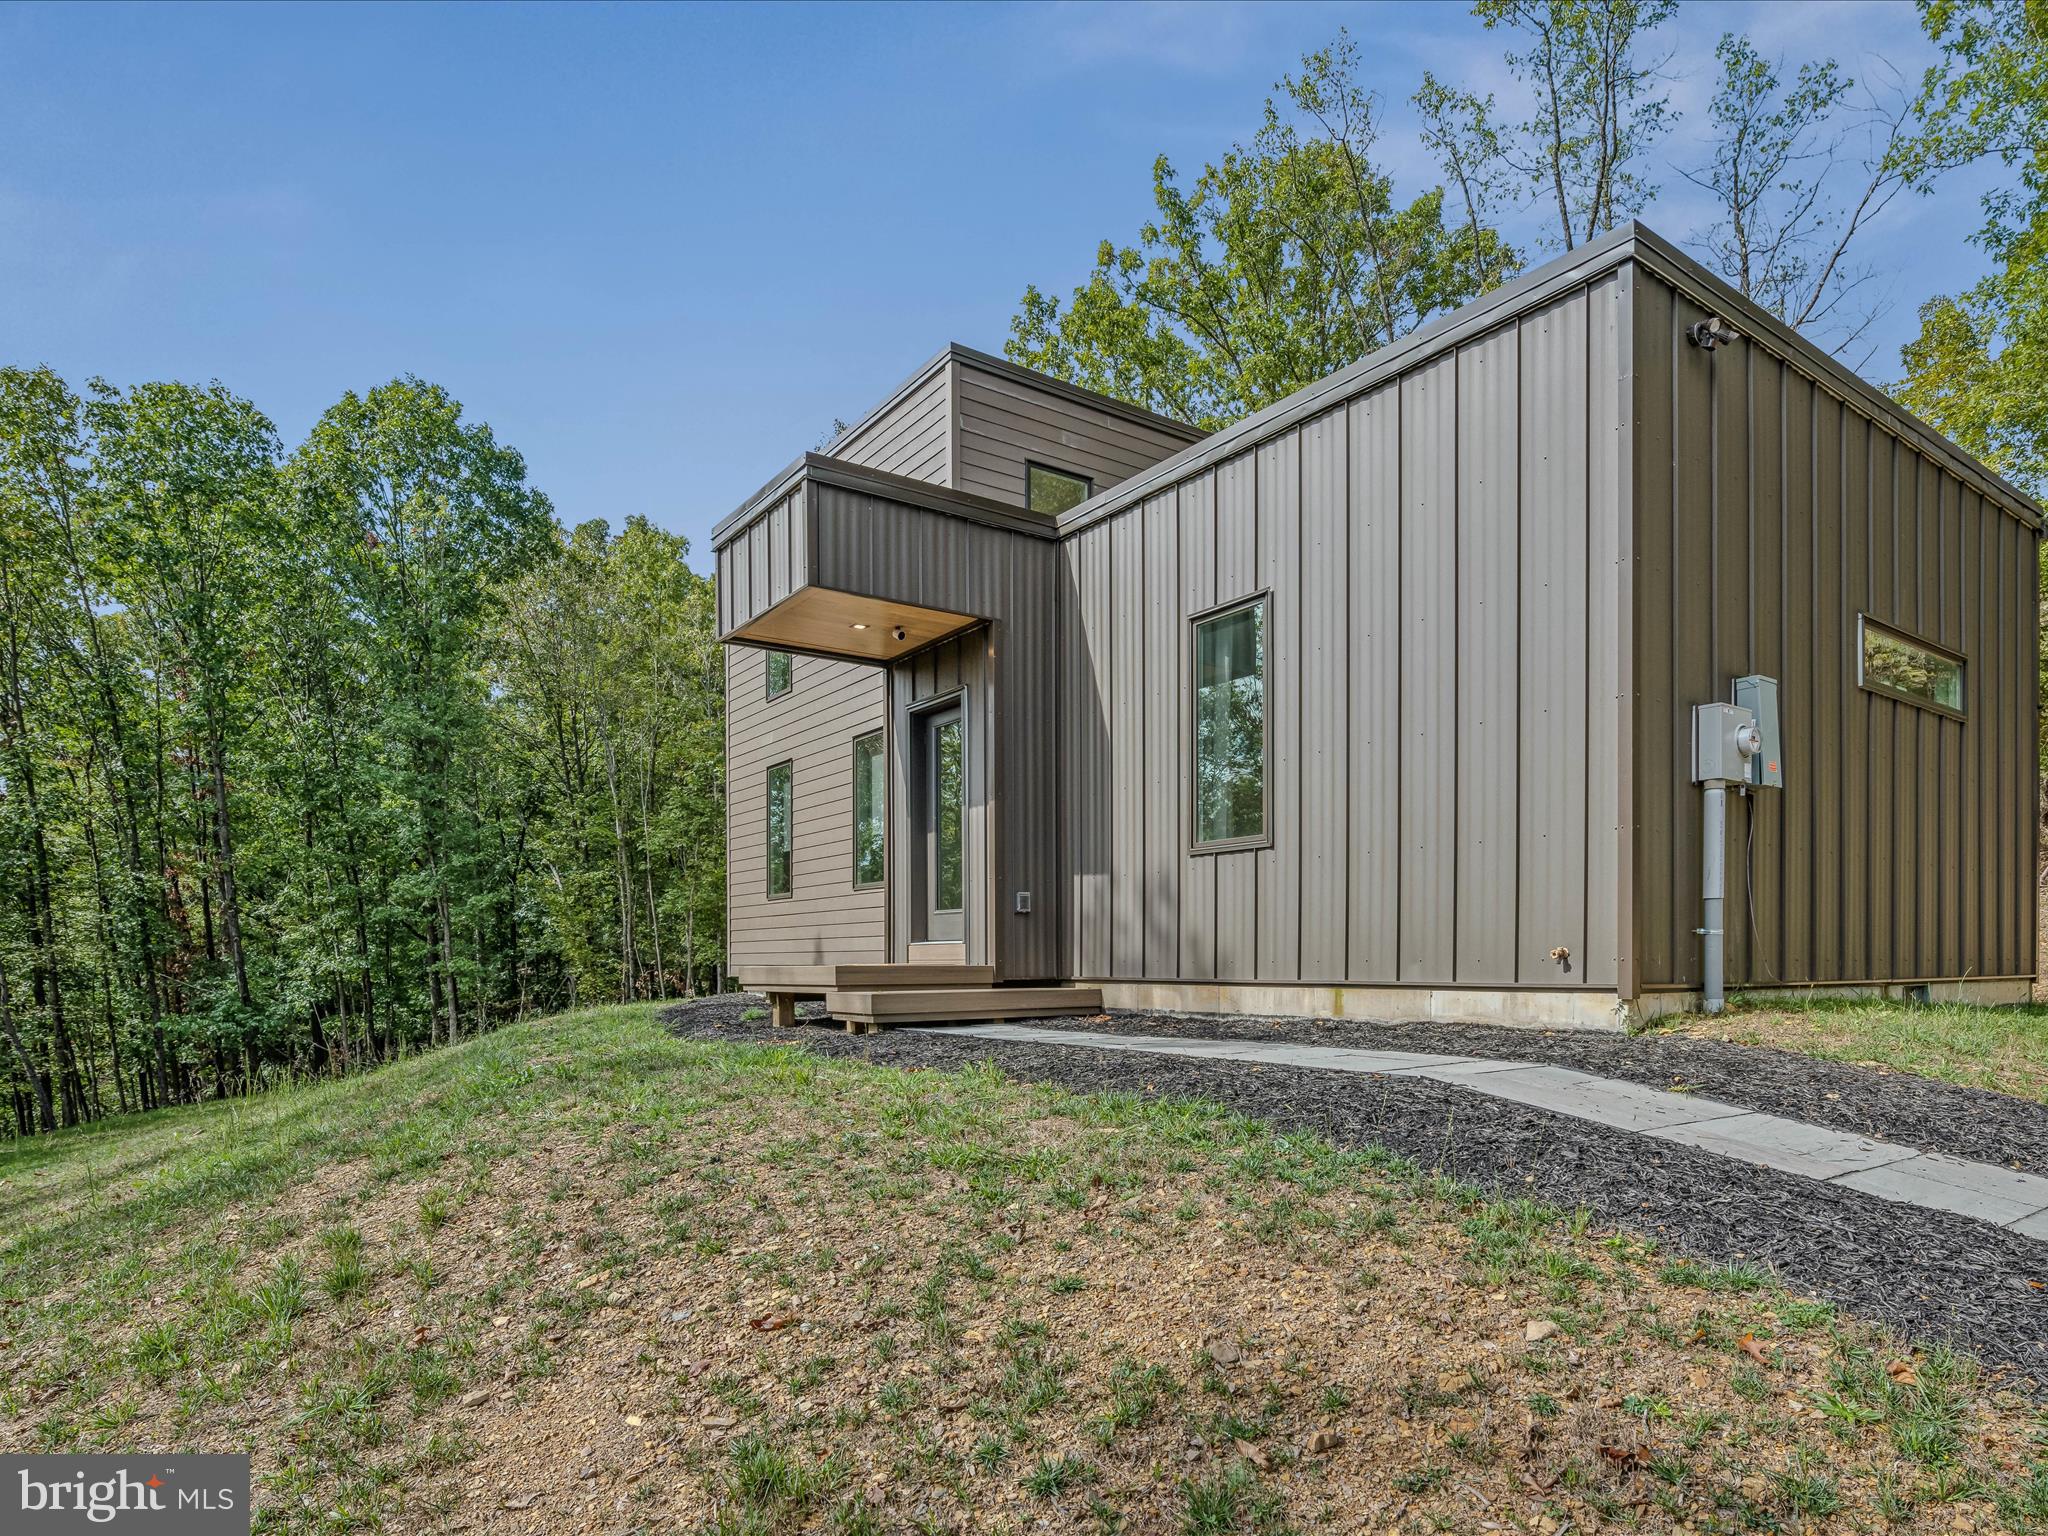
(822, 621)
(835, 559)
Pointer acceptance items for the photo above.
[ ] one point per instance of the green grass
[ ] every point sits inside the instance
(2005, 1049)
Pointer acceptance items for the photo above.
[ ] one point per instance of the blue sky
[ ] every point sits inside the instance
(660, 249)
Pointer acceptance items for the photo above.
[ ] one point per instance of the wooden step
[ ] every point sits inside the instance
(817, 980)
(936, 952)
(958, 1005)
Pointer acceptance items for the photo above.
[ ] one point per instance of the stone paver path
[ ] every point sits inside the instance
(2001, 1196)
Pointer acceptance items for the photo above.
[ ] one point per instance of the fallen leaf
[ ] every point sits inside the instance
(1324, 1441)
(1537, 1329)
(1638, 1456)
(587, 1282)
(1253, 1454)
(770, 1322)
(473, 1399)
(1749, 1346)
(1225, 1352)
(633, 1419)
(1902, 1372)
(718, 1421)
(521, 1500)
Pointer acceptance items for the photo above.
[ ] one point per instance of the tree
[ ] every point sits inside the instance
(1594, 110)
(1979, 367)
(1289, 259)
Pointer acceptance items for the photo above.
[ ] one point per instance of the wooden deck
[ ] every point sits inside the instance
(817, 980)
(871, 1010)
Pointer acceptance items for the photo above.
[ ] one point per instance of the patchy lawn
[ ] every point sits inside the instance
(2005, 1049)
(582, 1276)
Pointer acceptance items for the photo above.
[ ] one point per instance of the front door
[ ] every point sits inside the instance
(943, 791)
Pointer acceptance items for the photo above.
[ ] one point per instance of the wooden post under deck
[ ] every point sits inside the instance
(782, 1009)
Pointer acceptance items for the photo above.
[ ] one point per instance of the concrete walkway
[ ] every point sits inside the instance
(2001, 1196)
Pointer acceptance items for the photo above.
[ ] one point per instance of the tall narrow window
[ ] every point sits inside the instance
(949, 784)
(870, 803)
(1230, 726)
(1054, 490)
(1901, 667)
(778, 673)
(778, 830)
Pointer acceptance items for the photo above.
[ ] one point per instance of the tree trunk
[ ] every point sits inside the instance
(38, 1079)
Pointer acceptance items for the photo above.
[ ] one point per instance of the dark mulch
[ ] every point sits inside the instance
(1975, 1123)
(1929, 1275)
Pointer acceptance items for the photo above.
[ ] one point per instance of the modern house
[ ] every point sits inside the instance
(1378, 703)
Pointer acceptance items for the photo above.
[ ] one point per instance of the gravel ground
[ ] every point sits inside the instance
(1928, 1274)
(1975, 1123)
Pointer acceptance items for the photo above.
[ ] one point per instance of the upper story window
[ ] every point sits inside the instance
(1230, 726)
(779, 834)
(779, 666)
(1054, 490)
(870, 810)
(1900, 667)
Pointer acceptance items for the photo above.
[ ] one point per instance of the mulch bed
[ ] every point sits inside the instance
(1927, 1274)
(1973, 1123)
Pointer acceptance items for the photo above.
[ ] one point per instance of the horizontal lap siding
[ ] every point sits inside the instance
(813, 727)
(1770, 514)
(1413, 643)
(1005, 422)
(912, 438)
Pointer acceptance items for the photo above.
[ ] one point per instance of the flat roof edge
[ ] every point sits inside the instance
(821, 469)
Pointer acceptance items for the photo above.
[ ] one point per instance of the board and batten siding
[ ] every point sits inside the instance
(813, 726)
(1007, 421)
(912, 435)
(1443, 552)
(1770, 513)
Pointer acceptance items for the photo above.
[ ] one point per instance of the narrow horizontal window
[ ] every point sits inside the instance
(1054, 490)
(1230, 726)
(870, 802)
(1914, 671)
(778, 830)
(779, 664)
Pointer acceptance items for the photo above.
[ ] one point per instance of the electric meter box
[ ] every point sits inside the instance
(1759, 695)
(1715, 754)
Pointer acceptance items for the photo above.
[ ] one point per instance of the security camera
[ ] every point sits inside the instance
(1710, 333)
(896, 633)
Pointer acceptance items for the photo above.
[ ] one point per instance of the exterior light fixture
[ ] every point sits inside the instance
(1710, 333)
(860, 626)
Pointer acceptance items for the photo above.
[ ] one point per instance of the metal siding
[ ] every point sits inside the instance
(1324, 825)
(1429, 697)
(1278, 948)
(1198, 551)
(1609, 557)
(1093, 814)
(1006, 423)
(1655, 800)
(1488, 557)
(1127, 747)
(1376, 781)
(1902, 846)
(1163, 726)
(1553, 611)
(1237, 575)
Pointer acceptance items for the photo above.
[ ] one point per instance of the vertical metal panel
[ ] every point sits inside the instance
(1693, 610)
(1164, 689)
(1489, 551)
(1429, 688)
(1767, 626)
(1901, 847)
(1832, 651)
(1127, 745)
(1553, 612)
(1325, 811)
(1197, 509)
(1376, 783)
(1656, 799)
(1730, 573)
(1094, 815)
(757, 566)
(778, 552)
(1237, 575)
(1610, 413)
(1277, 954)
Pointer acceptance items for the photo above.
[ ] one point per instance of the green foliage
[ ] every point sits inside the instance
(307, 760)
(1285, 261)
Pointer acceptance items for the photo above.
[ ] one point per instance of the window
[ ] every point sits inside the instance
(778, 830)
(870, 808)
(1900, 667)
(779, 664)
(1054, 490)
(1230, 726)
(949, 782)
